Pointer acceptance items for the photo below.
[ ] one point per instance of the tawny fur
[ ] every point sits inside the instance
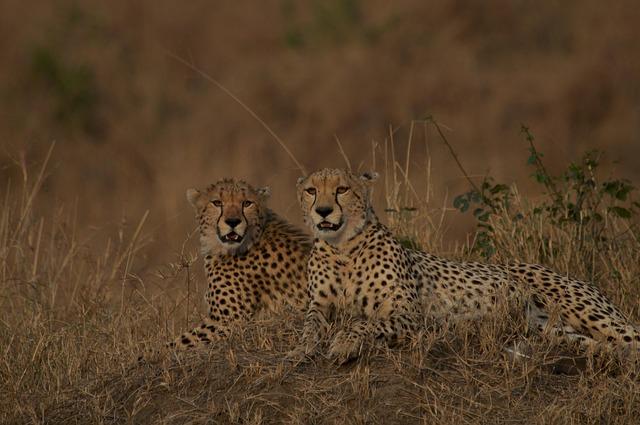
(261, 267)
(356, 263)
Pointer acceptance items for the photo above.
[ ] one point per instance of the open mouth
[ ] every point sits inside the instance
(326, 226)
(231, 237)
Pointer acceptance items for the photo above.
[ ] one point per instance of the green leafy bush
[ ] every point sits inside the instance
(579, 200)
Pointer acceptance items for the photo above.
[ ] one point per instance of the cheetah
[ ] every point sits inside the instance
(356, 264)
(253, 259)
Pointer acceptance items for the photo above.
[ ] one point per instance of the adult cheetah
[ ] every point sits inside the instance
(357, 263)
(253, 259)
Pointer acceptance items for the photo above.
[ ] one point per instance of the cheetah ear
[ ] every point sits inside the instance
(369, 177)
(194, 197)
(264, 192)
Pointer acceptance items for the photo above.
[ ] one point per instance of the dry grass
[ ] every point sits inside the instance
(95, 257)
(76, 312)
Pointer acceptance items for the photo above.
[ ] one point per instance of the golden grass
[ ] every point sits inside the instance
(79, 303)
(76, 312)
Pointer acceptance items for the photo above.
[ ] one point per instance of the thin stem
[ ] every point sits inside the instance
(455, 158)
(244, 105)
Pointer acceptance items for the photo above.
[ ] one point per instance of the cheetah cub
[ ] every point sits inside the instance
(253, 259)
(357, 264)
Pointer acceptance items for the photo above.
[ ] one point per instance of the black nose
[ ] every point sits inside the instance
(324, 211)
(232, 222)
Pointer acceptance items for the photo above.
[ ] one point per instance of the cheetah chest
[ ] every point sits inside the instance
(362, 284)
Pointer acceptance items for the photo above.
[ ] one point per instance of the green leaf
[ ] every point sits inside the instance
(619, 189)
(541, 177)
(620, 212)
(499, 188)
(461, 203)
(484, 217)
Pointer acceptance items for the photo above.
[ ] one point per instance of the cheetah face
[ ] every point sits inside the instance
(335, 203)
(230, 215)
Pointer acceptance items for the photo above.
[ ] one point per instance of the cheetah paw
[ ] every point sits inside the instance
(345, 346)
(296, 355)
(301, 353)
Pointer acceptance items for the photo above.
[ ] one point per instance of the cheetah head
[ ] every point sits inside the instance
(230, 214)
(336, 203)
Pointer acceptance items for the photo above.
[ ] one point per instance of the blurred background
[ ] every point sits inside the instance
(134, 127)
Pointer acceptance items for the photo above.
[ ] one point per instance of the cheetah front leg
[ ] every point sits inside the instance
(315, 328)
(325, 290)
(348, 343)
(201, 336)
(208, 331)
(215, 327)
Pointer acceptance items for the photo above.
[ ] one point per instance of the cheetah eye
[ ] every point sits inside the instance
(342, 189)
(217, 203)
(247, 204)
(311, 191)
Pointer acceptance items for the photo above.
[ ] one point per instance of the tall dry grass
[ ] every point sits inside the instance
(96, 261)
(71, 307)
(78, 307)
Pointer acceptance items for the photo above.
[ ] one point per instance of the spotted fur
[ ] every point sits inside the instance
(356, 263)
(253, 259)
